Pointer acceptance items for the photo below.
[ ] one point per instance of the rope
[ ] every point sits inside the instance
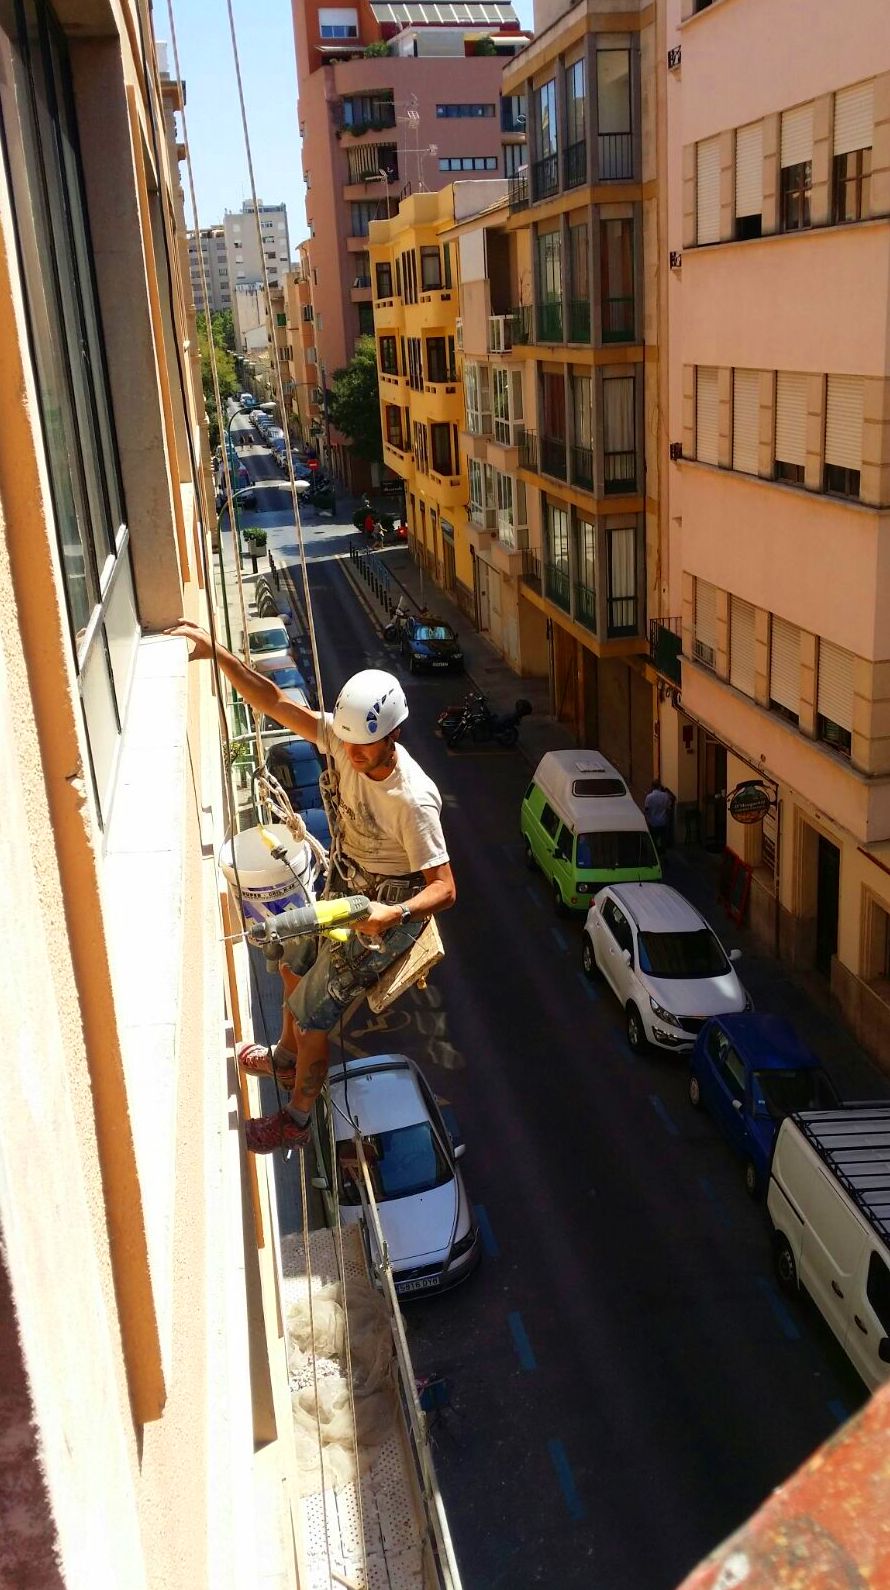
(324, 1500)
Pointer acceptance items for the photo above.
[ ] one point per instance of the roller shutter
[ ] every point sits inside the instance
(843, 421)
(741, 645)
(791, 417)
(854, 115)
(797, 135)
(707, 191)
(706, 423)
(784, 665)
(705, 645)
(745, 420)
(835, 696)
(749, 169)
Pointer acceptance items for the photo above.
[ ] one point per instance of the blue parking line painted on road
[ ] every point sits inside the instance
(489, 1242)
(533, 895)
(838, 1410)
(560, 938)
(782, 1314)
(719, 1207)
(521, 1342)
(588, 987)
(560, 1460)
(666, 1120)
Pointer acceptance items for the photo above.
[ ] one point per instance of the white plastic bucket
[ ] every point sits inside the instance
(267, 886)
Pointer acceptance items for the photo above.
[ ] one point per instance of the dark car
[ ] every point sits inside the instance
(431, 643)
(750, 1071)
(290, 679)
(296, 765)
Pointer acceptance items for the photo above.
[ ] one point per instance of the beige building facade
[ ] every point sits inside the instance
(212, 268)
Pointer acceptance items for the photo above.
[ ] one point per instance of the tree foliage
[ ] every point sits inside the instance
(225, 366)
(354, 402)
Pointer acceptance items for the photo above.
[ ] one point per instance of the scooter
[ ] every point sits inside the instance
(481, 724)
(392, 632)
(449, 717)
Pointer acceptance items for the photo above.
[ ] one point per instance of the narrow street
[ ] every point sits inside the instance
(627, 1383)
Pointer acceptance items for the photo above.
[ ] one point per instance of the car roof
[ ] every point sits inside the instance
(657, 908)
(295, 749)
(384, 1095)
(555, 776)
(293, 693)
(767, 1042)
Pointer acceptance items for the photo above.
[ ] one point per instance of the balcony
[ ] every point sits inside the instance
(616, 157)
(579, 320)
(575, 165)
(521, 325)
(585, 606)
(582, 467)
(666, 645)
(620, 473)
(553, 457)
(391, 384)
(545, 178)
(618, 320)
(622, 615)
(441, 375)
(517, 191)
(398, 458)
(365, 115)
(528, 452)
(556, 585)
(451, 490)
(531, 569)
(435, 309)
(549, 320)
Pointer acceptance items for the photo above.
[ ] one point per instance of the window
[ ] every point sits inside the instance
(706, 416)
(476, 399)
(440, 448)
(707, 191)
(549, 820)
(791, 426)
(617, 280)
(393, 418)
(576, 125)
(430, 269)
(449, 112)
(579, 284)
(619, 434)
(704, 644)
(337, 24)
(616, 921)
(614, 124)
(52, 229)
(389, 357)
(446, 264)
(440, 359)
(582, 420)
(421, 456)
(784, 669)
(741, 645)
(877, 1290)
(546, 126)
(362, 213)
(362, 111)
(585, 597)
(515, 159)
(834, 696)
(415, 364)
(556, 555)
(745, 421)
(797, 167)
(549, 259)
(383, 275)
(468, 163)
(843, 434)
(749, 180)
(513, 113)
(479, 501)
(853, 134)
(365, 320)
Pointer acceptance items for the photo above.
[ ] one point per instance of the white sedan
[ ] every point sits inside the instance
(662, 960)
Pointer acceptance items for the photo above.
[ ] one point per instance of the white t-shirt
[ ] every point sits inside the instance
(390, 826)
(656, 807)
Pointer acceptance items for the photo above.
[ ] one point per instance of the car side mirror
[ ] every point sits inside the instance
(735, 955)
(320, 1183)
(459, 1150)
(627, 957)
(737, 1105)
(884, 1350)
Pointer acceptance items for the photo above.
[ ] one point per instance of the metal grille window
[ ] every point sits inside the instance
(791, 426)
(706, 415)
(843, 434)
(704, 643)
(834, 698)
(749, 180)
(745, 420)
(707, 191)
(741, 645)
(49, 211)
(784, 669)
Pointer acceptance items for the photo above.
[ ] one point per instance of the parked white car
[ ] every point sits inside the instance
(663, 961)
(269, 644)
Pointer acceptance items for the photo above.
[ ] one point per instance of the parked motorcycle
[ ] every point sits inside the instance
(392, 632)
(480, 724)
(449, 717)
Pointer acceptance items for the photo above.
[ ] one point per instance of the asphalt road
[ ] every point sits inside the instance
(627, 1383)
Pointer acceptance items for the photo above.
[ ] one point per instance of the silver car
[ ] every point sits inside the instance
(426, 1218)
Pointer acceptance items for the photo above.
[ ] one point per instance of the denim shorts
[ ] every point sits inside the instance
(334, 973)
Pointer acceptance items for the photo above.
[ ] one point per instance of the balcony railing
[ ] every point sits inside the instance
(575, 165)
(616, 157)
(528, 452)
(622, 615)
(666, 645)
(521, 324)
(441, 375)
(545, 178)
(517, 191)
(553, 456)
(585, 606)
(618, 320)
(579, 320)
(550, 322)
(556, 585)
(531, 569)
(582, 467)
(620, 473)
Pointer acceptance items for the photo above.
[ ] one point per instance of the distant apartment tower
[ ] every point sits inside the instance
(212, 243)
(376, 128)
(245, 259)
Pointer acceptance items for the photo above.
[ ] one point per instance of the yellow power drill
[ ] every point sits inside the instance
(332, 917)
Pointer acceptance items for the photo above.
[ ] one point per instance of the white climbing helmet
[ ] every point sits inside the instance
(370, 705)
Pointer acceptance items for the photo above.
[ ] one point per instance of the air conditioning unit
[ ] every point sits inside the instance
(459, 335)
(704, 654)
(500, 333)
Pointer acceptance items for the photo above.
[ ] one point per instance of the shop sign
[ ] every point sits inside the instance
(749, 802)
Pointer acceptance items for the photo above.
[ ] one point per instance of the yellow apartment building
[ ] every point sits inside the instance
(303, 391)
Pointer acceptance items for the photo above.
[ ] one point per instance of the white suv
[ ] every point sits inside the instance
(663, 961)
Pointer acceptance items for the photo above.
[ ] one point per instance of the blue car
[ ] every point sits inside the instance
(296, 765)
(750, 1071)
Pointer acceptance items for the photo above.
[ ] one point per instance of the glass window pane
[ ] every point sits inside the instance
(122, 629)
(103, 729)
(613, 91)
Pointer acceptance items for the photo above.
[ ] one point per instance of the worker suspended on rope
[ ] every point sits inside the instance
(387, 844)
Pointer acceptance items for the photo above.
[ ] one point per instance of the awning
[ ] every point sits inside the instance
(462, 13)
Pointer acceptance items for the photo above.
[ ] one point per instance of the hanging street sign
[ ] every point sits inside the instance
(749, 802)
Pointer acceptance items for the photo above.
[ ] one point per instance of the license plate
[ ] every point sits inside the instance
(426, 1283)
(439, 663)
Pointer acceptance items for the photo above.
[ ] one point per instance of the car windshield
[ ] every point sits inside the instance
(288, 679)
(434, 632)
(268, 640)
(696, 954)
(608, 852)
(401, 1163)
(780, 1093)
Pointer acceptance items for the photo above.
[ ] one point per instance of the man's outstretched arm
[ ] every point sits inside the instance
(261, 692)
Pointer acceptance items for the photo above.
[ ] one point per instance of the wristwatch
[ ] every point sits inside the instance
(405, 914)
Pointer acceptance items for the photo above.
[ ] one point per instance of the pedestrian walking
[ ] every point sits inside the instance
(658, 809)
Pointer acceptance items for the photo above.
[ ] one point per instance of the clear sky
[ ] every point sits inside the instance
(268, 69)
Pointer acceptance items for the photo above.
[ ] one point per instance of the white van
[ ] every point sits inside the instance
(829, 1203)
(582, 828)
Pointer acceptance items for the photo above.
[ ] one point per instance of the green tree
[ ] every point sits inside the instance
(225, 371)
(223, 324)
(354, 402)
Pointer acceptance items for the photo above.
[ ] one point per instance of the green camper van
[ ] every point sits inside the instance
(583, 829)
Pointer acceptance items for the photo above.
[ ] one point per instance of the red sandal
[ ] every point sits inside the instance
(258, 1060)
(265, 1133)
